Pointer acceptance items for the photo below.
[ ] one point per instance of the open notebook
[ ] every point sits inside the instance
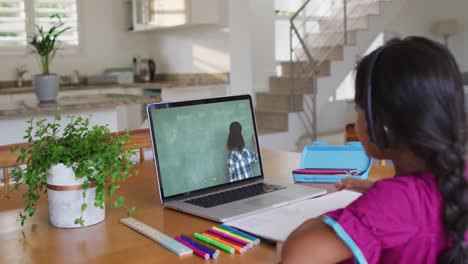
(278, 223)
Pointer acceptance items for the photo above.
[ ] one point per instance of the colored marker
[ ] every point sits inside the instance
(214, 253)
(231, 239)
(196, 250)
(234, 235)
(236, 231)
(237, 248)
(196, 245)
(351, 172)
(214, 243)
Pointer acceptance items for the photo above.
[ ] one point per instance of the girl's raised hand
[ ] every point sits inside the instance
(354, 184)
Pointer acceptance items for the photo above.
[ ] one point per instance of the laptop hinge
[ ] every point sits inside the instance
(213, 190)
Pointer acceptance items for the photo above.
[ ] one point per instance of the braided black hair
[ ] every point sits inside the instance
(418, 94)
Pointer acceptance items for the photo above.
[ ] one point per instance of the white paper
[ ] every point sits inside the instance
(278, 223)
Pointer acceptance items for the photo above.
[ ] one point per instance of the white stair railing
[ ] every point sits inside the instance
(311, 44)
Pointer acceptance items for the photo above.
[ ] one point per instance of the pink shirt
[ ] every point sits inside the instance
(398, 220)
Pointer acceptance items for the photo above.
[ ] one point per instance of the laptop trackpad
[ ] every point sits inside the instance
(265, 201)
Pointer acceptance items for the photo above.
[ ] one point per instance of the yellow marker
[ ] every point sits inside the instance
(234, 235)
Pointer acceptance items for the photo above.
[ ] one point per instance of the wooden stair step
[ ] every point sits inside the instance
(357, 10)
(270, 131)
(279, 102)
(304, 68)
(337, 25)
(362, 2)
(271, 120)
(282, 85)
(329, 39)
(322, 53)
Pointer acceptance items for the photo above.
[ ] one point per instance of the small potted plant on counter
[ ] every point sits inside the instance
(79, 170)
(46, 85)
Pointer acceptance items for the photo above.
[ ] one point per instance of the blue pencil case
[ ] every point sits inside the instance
(320, 155)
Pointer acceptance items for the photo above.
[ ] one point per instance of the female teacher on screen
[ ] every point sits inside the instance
(240, 158)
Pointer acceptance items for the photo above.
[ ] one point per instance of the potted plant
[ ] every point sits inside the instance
(44, 42)
(79, 170)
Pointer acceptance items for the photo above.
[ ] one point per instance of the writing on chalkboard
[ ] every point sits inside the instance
(184, 117)
(201, 114)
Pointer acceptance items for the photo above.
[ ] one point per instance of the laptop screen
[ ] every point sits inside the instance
(204, 143)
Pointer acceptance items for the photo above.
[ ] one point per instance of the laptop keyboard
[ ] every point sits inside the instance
(234, 195)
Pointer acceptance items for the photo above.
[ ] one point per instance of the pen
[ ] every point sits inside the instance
(263, 240)
(240, 249)
(233, 234)
(214, 253)
(213, 242)
(327, 171)
(230, 238)
(196, 250)
(236, 231)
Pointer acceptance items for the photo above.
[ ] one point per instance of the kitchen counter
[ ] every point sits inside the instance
(164, 81)
(29, 89)
(118, 106)
(72, 104)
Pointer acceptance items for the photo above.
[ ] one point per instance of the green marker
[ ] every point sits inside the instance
(214, 243)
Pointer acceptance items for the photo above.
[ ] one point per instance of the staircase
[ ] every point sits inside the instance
(322, 46)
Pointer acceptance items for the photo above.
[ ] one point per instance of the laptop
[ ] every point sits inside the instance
(208, 162)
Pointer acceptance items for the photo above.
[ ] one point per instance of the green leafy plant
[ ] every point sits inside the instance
(44, 42)
(94, 154)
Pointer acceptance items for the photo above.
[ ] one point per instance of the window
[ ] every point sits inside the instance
(19, 17)
(12, 23)
(67, 10)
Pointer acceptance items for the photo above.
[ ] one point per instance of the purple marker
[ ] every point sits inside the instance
(213, 253)
(196, 250)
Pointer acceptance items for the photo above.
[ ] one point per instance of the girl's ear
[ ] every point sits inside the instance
(374, 151)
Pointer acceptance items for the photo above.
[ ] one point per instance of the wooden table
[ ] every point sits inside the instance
(112, 242)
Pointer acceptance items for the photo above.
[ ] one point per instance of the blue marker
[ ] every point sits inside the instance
(213, 253)
(255, 240)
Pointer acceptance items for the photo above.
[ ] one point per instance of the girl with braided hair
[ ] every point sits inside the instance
(410, 109)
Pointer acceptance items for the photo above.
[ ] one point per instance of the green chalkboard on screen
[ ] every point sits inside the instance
(192, 143)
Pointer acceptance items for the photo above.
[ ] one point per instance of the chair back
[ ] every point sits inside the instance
(350, 133)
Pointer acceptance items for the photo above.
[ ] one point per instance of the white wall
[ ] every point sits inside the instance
(416, 18)
(242, 44)
(263, 42)
(105, 42)
(251, 39)
(333, 114)
(197, 49)
(194, 49)
(240, 47)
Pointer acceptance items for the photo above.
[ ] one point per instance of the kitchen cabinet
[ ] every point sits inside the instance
(5, 99)
(22, 97)
(78, 92)
(159, 14)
